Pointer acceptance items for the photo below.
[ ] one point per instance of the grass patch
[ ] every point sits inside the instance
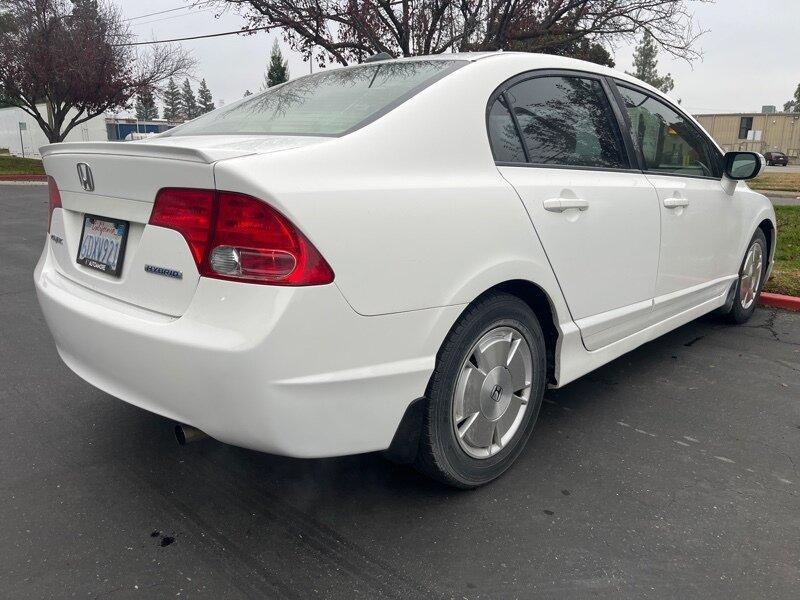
(14, 165)
(776, 182)
(786, 273)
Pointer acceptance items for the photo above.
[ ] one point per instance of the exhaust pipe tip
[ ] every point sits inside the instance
(186, 434)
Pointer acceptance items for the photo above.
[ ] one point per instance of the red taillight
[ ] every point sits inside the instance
(55, 199)
(189, 212)
(237, 237)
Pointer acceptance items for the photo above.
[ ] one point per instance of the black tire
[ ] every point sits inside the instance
(738, 314)
(440, 455)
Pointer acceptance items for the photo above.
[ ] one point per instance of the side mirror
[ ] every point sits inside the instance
(743, 165)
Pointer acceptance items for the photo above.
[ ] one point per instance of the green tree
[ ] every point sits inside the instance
(591, 51)
(172, 101)
(146, 109)
(645, 65)
(189, 107)
(278, 71)
(793, 105)
(584, 49)
(205, 98)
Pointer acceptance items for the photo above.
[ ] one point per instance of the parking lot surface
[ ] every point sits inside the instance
(670, 473)
(786, 169)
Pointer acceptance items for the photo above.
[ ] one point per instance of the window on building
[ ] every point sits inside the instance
(745, 125)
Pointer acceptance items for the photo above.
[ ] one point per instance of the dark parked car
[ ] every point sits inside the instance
(776, 158)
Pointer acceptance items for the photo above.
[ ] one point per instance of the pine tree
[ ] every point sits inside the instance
(189, 106)
(585, 49)
(645, 63)
(205, 98)
(172, 101)
(86, 10)
(278, 71)
(793, 105)
(146, 109)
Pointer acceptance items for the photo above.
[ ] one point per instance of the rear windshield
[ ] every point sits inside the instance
(328, 103)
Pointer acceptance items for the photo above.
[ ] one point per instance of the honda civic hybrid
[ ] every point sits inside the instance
(397, 256)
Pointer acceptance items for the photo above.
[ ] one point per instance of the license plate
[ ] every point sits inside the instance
(102, 244)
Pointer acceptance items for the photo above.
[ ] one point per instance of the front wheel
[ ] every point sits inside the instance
(485, 393)
(751, 280)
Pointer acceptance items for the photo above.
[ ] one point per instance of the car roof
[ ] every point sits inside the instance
(470, 56)
(533, 60)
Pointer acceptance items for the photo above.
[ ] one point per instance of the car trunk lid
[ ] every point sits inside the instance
(158, 271)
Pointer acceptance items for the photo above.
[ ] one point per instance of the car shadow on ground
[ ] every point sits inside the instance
(357, 475)
(249, 524)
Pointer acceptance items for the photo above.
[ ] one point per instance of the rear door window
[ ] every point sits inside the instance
(506, 144)
(567, 121)
(669, 142)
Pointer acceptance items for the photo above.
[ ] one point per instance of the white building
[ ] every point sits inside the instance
(28, 138)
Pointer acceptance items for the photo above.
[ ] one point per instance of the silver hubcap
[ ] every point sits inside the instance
(751, 276)
(492, 392)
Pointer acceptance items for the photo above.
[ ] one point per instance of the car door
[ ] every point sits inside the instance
(699, 218)
(556, 138)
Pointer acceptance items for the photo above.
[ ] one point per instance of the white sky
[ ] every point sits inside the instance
(749, 53)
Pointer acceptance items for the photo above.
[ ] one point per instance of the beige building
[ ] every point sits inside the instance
(760, 132)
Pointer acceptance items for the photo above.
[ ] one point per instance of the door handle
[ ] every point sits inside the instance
(562, 204)
(675, 202)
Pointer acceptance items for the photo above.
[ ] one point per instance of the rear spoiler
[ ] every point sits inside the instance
(149, 149)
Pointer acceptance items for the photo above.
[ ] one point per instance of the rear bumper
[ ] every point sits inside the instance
(292, 371)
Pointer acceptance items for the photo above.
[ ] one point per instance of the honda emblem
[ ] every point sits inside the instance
(85, 177)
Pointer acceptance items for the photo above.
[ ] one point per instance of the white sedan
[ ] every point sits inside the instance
(396, 256)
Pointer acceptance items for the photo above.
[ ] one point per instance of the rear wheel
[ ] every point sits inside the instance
(485, 393)
(751, 280)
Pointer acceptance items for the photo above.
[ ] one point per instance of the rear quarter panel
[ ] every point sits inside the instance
(410, 211)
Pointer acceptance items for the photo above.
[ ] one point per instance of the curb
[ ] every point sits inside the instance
(23, 177)
(779, 193)
(780, 301)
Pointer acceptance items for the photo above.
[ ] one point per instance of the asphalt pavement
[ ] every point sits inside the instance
(783, 198)
(786, 169)
(672, 472)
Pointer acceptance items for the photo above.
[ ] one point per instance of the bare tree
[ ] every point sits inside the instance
(73, 57)
(350, 30)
